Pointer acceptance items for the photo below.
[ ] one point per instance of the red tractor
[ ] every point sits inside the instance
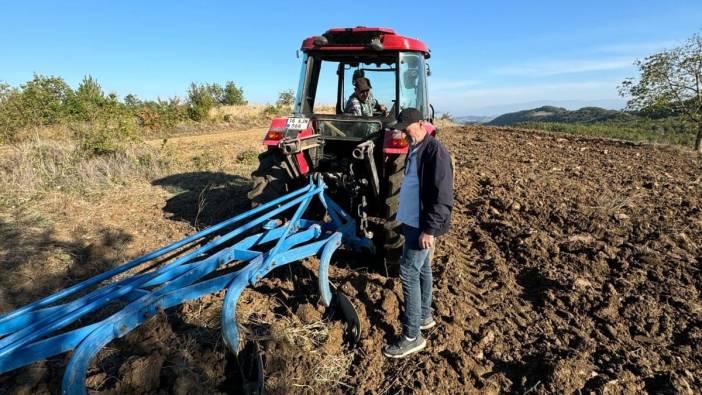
(361, 158)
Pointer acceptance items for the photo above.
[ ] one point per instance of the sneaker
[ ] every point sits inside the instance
(427, 323)
(405, 347)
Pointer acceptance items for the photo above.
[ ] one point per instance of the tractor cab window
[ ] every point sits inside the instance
(413, 90)
(397, 81)
(380, 76)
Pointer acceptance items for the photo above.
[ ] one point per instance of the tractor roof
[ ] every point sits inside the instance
(363, 39)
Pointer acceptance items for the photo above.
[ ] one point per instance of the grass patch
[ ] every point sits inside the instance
(30, 169)
(248, 156)
(650, 133)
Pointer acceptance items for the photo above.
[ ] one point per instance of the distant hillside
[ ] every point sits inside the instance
(562, 115)
(473, 119)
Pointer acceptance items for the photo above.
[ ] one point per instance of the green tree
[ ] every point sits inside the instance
(39, 102)
(90, 90)
(216, 91)
(200, 101)
(132, 100)
(286, 98)
(671, 79)
(88, 100)
(43, 100)
(232, 95)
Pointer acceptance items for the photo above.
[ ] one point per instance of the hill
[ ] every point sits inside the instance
(562, 115)
(473, 119)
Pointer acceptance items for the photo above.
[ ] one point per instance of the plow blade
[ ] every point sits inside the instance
(253, 243)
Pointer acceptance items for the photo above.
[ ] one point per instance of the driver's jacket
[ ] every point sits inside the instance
(355, 107)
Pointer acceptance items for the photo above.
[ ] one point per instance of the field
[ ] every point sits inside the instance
(573, 266)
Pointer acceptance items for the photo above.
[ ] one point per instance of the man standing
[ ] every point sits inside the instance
(362, 102)
(426, 200)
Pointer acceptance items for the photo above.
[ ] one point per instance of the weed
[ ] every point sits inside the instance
(206, 161)
(248, 156)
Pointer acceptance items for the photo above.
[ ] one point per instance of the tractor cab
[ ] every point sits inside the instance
(394, 65)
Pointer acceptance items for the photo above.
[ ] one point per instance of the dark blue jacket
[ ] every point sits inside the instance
(435, 172)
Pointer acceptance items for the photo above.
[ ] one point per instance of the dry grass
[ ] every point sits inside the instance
(444, 123)
(289, 331)
(247, 111)
(36, 166)
(248, 116)
(325, 109)
(314, 340)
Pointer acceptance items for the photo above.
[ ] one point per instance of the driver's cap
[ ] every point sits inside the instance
(407, 117)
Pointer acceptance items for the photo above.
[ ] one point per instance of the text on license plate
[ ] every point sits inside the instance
(297, 123)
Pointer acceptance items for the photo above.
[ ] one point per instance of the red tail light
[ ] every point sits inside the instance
(399, 141)
(276, 131)
(275, 135)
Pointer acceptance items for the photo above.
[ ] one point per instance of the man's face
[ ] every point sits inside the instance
(415, 131)
(362, 94)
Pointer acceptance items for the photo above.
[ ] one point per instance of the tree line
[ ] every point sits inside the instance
(49, 100)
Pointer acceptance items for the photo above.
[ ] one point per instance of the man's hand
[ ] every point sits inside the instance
(425, 241)
(383, 109)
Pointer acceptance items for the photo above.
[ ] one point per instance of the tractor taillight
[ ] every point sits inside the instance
(276, 132)
(399, 140)
(274, 135)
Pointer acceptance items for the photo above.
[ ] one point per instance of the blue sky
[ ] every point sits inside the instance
(486, 56)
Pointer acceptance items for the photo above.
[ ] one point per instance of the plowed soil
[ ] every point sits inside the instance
(573, 266)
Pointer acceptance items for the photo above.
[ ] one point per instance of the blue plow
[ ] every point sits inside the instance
(50, 326)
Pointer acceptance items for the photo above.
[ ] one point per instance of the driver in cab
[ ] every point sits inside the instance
(362, 102)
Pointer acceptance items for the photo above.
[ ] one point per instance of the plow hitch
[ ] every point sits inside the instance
(254, 243)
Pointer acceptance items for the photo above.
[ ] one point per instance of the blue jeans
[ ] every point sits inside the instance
(415, 274)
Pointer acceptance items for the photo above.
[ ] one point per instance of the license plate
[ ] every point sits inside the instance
(297, 123)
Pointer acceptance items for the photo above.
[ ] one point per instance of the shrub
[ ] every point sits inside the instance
(106, 134)
(286, 98)
(248, 156)
(232, 95)
(272, 111)
(132, 101)
(203, 97)
(159, 114)
(44, 100)
(201, 101)
(88, 100)
(39, 102)
(11, 118)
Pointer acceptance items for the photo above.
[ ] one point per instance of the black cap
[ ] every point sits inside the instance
(358, 74)
(362, 84)
(407, 117)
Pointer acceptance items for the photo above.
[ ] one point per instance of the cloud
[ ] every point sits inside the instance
(550, 68)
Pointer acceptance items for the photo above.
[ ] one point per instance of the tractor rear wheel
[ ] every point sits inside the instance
(394, 173)
(270, 180)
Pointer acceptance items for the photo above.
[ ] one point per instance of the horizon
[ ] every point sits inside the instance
(483, 59)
